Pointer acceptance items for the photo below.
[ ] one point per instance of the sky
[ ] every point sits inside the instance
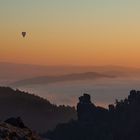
(70, 32)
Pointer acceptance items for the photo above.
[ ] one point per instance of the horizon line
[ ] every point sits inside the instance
(68, 65)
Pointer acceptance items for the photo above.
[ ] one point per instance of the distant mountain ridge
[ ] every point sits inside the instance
(38, 113)
(11, 72)
(62, 78)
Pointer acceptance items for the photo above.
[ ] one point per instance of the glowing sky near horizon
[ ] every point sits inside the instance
(75, 32)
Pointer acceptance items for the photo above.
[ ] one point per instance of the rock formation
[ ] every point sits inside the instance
(12, 129)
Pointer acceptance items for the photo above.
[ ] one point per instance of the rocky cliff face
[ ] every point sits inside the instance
(11, 132)
(121, 121)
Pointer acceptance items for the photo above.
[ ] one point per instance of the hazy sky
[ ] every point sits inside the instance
(83, 32)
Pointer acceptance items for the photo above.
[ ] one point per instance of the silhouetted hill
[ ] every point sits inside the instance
(120, 122)
(38, 113)
(62, 78)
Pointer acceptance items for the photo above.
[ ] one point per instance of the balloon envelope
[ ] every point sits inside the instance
(23, 34)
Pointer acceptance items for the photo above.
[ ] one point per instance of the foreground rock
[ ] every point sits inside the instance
(12, 132)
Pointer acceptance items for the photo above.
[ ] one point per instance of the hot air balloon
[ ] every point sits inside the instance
(23, 34)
